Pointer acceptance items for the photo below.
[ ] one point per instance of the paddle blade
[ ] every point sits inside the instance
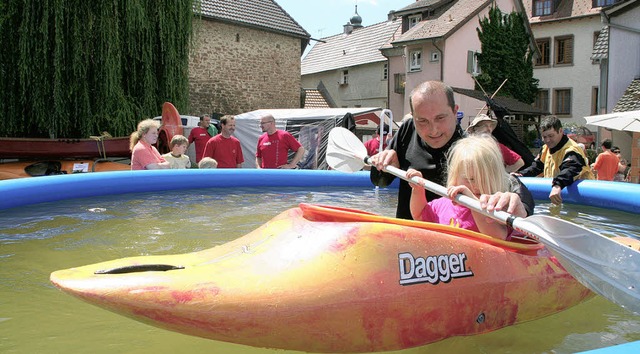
(605, 266)
(345, 152)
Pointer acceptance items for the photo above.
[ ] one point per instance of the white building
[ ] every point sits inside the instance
(566, 32)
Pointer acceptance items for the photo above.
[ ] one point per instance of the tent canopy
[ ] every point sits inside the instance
(628, 121)
(310, 126)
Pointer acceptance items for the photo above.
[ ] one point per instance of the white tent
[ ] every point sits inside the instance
(310, 126)
(628, 121)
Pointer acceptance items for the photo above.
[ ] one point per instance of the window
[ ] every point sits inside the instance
(413, 20)
(344, 77)
(398, 83)
(600, 3)
(564, 50)
(562, 102)
(543, 47)
(472, 63)
(415, 63)
(385, 71)
(596, 34)
(542, 7)
(542, 100)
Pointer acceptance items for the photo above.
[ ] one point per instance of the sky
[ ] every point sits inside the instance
(324, 18)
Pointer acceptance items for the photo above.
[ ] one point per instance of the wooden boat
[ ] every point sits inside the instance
(102, 146)
(22, 169)
(326, 279)
(35, 148)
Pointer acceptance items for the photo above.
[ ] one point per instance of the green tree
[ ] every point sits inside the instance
(74, 68)
(506, 55)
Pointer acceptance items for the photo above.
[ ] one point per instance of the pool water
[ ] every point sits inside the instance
(35, 317)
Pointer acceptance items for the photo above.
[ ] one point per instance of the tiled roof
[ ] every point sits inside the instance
(444, 21)
(513, 105)
(630, 100)
(601, 48)
(565, 10)
(314, 99)
(422, 4)
(265, 14)
(345, 50)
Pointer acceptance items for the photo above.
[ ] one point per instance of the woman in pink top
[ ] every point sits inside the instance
(474, 168)
(144, 156)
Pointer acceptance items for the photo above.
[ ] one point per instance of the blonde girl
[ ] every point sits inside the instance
(475, 167)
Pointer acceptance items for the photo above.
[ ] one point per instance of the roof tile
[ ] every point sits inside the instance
(601, 48)
(345, 50)
(314, 99)
(265, 14)
(444, 20)
(566, 9)
(630, 100)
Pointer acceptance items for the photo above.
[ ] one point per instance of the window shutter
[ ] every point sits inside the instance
(470, 56)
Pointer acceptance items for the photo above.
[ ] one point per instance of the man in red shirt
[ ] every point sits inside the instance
(373, 145)
(224, 148)
(606, 164)
(274, 145)
(201, 135)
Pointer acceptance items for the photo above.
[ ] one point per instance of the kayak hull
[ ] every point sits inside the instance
(40, 148)
(23, 169)
(325, 279)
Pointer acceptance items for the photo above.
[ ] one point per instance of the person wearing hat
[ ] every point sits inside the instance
(483, 124)
(373, 145)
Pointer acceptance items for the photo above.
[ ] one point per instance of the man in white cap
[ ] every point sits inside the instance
(483, 124)
(373, 145)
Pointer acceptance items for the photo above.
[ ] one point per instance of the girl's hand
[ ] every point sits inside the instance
(453, 191)
(414, 173)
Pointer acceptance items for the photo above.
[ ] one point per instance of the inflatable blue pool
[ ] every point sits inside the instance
(26, 191)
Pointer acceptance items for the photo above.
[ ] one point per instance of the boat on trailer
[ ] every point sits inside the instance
(37, 148)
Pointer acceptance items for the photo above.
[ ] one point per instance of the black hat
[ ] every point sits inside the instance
(385, 129)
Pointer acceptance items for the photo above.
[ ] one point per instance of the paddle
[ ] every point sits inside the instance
(599, 263)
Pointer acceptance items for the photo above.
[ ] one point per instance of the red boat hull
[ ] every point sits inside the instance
(35, 148)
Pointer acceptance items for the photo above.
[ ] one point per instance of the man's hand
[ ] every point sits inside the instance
(502, 200)
(555, 196)
(385, 158)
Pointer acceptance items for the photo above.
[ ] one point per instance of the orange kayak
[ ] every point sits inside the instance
(22, 169)
(325, 279)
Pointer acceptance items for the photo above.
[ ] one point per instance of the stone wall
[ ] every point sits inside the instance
(235, 69)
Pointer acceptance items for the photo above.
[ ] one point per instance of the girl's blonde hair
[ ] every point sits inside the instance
(143, 128)
(478, 156)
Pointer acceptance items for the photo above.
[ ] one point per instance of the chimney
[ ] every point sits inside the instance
(348, 28)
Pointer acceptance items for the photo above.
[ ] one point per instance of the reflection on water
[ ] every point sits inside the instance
(36, 240)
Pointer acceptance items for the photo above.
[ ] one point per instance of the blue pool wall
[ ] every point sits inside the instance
(26, 191)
